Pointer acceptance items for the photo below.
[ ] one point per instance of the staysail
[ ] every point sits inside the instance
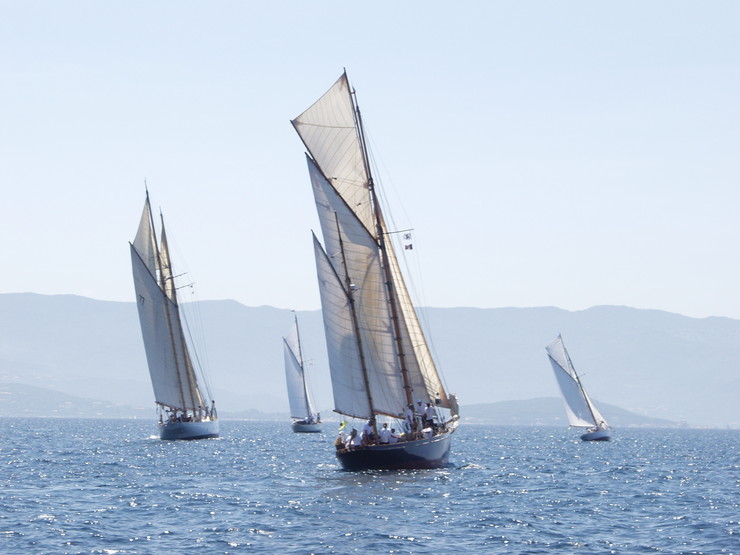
(378, 356)
(300, 403)
(579, 408)
(170, 366)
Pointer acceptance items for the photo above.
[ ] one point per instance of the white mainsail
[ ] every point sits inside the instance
(580, 410)
(173, 377)
(300, 402)
(378, 357)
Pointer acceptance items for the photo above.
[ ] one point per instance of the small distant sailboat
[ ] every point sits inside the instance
(378, 357)
(305, 418)
(184, 410)
(580, 409)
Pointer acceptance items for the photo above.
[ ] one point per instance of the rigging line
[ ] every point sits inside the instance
(396, 232)
(173, 277)
(184, 286)
(381, 177)
(191, 312)
(196, 356)
(305, 124)
(414, 279)
(415, 282)
(194, 308)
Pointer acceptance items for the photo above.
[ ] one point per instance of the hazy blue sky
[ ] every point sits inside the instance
(545, 153)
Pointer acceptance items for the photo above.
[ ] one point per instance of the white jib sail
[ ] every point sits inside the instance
(580, 410)
(426, 384)
(300, 404)
(345, 366)
(173, 379)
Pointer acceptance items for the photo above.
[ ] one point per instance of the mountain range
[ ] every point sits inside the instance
(69, 351)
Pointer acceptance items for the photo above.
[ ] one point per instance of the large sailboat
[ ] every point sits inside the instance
(305, 417)
(580, 409)
(185, 411)
(381, 366)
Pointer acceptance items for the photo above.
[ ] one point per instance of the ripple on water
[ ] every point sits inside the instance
(109, 487)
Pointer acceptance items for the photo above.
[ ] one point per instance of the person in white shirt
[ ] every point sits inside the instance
(353, 441)
(368, 432)
(408, 423)
(428, 416)
(394, 436)
(385, 435)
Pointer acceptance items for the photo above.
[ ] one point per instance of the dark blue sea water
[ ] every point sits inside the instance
(107, 486)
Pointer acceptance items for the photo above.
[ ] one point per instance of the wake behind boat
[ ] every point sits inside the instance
(184, 409)
(378, 356)
(306, 419)
(578, 406)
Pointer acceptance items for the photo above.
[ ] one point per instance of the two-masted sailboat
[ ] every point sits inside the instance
(305, 417)
(580, 409)
(185, 411)
(379, 360)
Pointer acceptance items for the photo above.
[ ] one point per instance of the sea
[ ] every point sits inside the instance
(110, 486)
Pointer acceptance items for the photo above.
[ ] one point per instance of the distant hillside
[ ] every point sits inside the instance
(648, 362)
(549, 411)
(27, 400)
(30, 401)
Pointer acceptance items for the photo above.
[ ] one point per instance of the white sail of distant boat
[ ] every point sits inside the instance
(379, 360)
(581, 411)
(305, 417)
(186, 410)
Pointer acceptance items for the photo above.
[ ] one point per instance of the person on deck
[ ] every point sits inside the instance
(429, 416)
(419, 415)
(408, 423)
(385, 435)
(368, 433)
(353, 441)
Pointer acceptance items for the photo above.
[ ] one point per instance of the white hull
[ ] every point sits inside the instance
(598, 435)
(189, 430)
(301, 427)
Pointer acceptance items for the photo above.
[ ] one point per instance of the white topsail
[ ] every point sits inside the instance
(170, 366)
(329, 131)
(378, 357)
(579, 408)
(300, 403)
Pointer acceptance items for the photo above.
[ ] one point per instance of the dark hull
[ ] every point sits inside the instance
(600, 435)
(417, 454)
(303, 428)
(189, 430)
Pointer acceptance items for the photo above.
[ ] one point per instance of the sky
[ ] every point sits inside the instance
(565, 154)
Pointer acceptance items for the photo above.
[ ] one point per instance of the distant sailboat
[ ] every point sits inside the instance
(580, 409)
(378, 356)
(306, 419)
(184, 411)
